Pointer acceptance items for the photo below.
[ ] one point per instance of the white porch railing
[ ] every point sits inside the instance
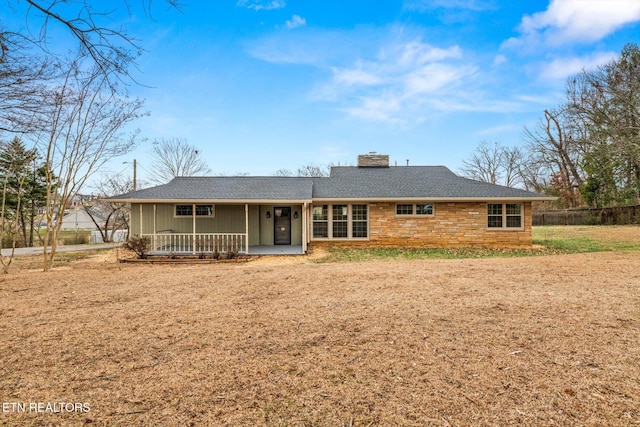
(168, 243)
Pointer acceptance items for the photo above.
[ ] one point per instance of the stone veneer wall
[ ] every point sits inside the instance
(453, 225)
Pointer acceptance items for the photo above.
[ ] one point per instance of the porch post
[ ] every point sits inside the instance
(140, 219)
(154, 226)
(304, 227)
(193, 239)
(246, 228)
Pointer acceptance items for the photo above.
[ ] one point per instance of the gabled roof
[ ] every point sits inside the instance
(427, 183)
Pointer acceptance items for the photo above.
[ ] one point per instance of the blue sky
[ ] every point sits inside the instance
(260, 85)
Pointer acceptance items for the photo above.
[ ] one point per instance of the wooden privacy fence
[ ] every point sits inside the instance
(589, 216)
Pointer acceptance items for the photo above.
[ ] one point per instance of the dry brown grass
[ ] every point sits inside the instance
(551, 340)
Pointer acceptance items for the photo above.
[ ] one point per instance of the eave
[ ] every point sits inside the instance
(435, 199)
(335, 199)
(211, 201)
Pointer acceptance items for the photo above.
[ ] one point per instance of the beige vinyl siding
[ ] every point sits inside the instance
(266, 225)
(228, 219)
(254, 225)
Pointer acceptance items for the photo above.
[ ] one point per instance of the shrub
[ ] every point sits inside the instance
(76, 239)
(139, 245)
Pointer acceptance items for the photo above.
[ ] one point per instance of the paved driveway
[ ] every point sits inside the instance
(62, 248)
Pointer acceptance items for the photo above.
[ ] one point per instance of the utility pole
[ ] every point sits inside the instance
(135, 173)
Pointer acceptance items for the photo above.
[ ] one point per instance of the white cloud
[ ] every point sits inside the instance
(564, 67)
(306, 48)
(355, 77)
(295, 22)
(499, 60)
(397, 77)
(435, 77)
(262, 4)
(415, 53)
(399, 83)
(497, 130)
(568, 21)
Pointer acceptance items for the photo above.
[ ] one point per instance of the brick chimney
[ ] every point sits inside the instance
(373, 160)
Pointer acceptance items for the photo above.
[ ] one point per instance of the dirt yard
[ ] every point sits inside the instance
(547, 340)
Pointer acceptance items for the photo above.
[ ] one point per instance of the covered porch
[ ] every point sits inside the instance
(213, 243)
(209, 229)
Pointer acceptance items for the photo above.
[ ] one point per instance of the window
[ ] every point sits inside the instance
(514, 215)
(417, 209)
(340, 221)
(424, 209)
(404, 209)
(321, 221)
(340, 217)
(204, 210)
(507, 215)
(184, 210)
(201, 210)
(494, 215)
(359, 221)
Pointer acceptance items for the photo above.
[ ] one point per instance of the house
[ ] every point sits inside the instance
(79, 219)
(372, 204)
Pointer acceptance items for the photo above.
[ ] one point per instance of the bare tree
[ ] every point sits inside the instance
(110, 217)
(512, 164)
(84, 131)
(484, 164)
(283, 172)
(607, 102)
(175, 157)
(557, 145)
(92, 24)
(22, 80)
(495, 164)
(309, 170)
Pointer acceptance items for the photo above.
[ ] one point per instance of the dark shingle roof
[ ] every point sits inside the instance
(226, 188)
(429, 182)
(398, 182)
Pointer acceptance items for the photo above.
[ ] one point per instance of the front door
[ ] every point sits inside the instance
(282, 224)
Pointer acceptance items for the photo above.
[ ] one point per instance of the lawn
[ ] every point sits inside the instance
(547, 240)
(537, 340)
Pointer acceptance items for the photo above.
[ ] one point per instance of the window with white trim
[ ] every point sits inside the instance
(321, 221)
(424, 209)
(341, 221)
(359, 221)
(505, 215)
(403, 209)
(201, 210)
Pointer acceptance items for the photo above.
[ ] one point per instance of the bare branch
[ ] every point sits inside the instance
(85, 130)
(175, 157)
